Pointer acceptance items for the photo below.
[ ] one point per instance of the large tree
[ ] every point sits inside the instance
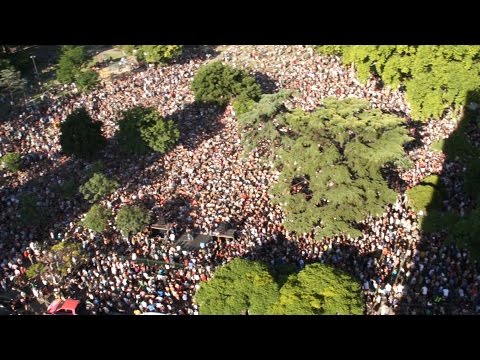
(218, 83)
(80, 135)
(71, 60)
(239, 287)
(435, 77)
(142, 129)
(320, 289)
(331, 160)
(97, 187)
(131, 219)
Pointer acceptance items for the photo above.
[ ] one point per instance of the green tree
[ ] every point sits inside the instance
(160, 53)
(86, 80)
(161, 135)
(331, 160)
(218, 83)
(237, 288)
(80, 135)
(320, 290)
(11, 82)
(142, 129)
(132, 219)
(70, 62)
(435, 77)
(97, 187)
(11, 162)
(96, 218)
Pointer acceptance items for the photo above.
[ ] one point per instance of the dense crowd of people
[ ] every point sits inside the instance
(205, 181)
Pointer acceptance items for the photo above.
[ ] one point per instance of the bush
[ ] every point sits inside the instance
(96, 218)
(131, 219)
(12, 162)
(97, 187)
(81, 136)
(218, 83)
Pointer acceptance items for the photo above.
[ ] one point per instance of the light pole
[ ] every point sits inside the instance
(34, 65)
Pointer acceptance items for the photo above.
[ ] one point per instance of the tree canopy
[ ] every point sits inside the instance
(237, 288)
(219, 83)
(131, 219)
(330, 160)
(70, 62)
(97, 187)
(435, 77)
(142, 129)
(320, 289)
(247, 287)
(159, 53)
(96, 218)
(80, 135)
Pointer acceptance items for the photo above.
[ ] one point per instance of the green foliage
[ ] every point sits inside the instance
(128, 49)
(67, 256)
(236, 288)
(218, 83)
(161, 135)
(6, 64)
(11, 82)
(320, 290)
(159, 53)
(11, 162)
(97, 187)
(332, 156)
(132, 219)
(80, 135)
(423, 195)
(465, 232)
(438, 145)
(437, 221)
(67, 189)
(404, 163)
(30, 212)
(435, 77)
(242, 104)
(142, 129)
(86, 80)
(36, 270)
(71, 60)
(96, 218)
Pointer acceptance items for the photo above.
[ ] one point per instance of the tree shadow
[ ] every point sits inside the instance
(442, 277)
(193, 52)
(268, 85)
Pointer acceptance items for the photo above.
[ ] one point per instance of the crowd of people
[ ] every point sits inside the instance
(205, 181)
